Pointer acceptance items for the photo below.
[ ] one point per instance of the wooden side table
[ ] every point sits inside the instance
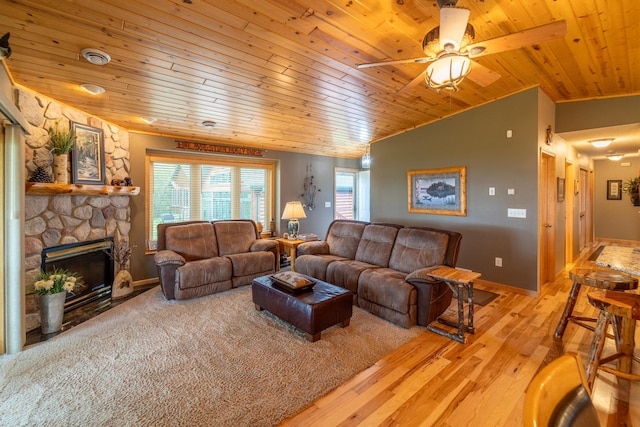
(457, 280)
(288, 247)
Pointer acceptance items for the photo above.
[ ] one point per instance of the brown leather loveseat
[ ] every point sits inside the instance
(199, 258)
(385, 266)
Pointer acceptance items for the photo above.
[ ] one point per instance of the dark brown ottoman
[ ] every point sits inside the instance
(312, 311)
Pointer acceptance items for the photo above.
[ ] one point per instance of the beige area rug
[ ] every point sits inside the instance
(215, 360)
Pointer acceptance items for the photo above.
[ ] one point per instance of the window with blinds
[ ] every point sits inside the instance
(191, 188)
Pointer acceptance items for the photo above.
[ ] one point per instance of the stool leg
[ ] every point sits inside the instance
(596, 348)
(627, 344)
(568, 310)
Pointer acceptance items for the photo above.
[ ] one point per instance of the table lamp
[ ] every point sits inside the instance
(293, 211)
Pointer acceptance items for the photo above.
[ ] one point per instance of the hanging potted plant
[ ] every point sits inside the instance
(632, 187)
(62, 142)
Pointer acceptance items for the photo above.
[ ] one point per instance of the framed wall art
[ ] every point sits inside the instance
(438, 191)
(87, 157)
(614, 189)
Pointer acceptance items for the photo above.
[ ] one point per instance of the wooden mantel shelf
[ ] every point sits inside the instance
(42, 189)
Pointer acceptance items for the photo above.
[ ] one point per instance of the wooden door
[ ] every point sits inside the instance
(583, 203)
(547, 218)
(569, 206)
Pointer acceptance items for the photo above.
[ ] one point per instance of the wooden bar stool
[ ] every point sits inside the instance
(601, 279)
(621, 310)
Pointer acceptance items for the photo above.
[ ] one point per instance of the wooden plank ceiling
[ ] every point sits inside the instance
(281, 74)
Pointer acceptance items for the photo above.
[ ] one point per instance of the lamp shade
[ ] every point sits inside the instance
(293, 210)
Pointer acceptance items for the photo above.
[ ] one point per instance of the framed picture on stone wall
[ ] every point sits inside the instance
(87, 157)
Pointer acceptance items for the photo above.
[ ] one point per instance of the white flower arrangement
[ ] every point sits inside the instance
(56, 281)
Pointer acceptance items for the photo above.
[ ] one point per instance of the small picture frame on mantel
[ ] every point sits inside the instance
(614, 189)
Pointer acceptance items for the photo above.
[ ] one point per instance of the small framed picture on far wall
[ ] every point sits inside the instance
(560, 189)
(614, 189)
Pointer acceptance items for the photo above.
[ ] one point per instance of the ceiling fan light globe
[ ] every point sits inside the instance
(447, 71)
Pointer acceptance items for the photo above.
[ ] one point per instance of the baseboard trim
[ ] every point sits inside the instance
(145, 283)
(499, 286)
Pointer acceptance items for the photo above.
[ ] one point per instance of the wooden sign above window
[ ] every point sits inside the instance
(222, 149)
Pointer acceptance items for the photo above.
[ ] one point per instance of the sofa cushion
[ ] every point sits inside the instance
(204, 272)
(343, 238)
(248, 263)
(346, 273)
(385, 293)
(235, 236)
(386, 287)
(417, 248)
(192, 241)
(316, 265)
(376, 244)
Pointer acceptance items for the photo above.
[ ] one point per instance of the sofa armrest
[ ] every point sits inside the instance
(267, 245)
(167, 257)
(422, 275)
(316, 247)
(167, 262)
(434, 296)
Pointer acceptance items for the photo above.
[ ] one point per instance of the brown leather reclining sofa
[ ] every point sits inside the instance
(199, 258)
(385, 266)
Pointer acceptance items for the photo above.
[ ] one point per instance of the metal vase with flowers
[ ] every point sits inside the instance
(52, 288)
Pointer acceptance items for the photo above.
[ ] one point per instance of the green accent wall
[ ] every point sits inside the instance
(478, 140)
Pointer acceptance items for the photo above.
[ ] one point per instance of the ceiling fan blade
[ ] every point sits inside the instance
(541, 34)
(422, 60)
(413, 83)
(481, 75)
(453, 23)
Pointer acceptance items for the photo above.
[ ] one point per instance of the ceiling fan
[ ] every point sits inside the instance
(449, 49)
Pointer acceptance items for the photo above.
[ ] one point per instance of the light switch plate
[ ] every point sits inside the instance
(516, 213)
(327, 204)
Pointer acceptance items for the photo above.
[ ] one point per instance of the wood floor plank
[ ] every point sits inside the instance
(433, 381)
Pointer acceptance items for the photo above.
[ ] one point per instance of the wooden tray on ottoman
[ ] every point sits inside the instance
(324, 306)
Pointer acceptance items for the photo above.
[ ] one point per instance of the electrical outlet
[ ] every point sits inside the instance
(327, 204)
(498, 262)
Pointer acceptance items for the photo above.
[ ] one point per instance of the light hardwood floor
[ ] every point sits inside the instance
(433, 381)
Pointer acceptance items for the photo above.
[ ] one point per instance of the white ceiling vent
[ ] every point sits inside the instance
(95, 56)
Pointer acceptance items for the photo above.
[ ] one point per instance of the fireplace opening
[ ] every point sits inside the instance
(91, 261)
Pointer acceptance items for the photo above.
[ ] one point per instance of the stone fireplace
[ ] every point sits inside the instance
(64, 216)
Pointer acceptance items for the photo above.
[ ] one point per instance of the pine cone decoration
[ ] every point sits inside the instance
(40, 175)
